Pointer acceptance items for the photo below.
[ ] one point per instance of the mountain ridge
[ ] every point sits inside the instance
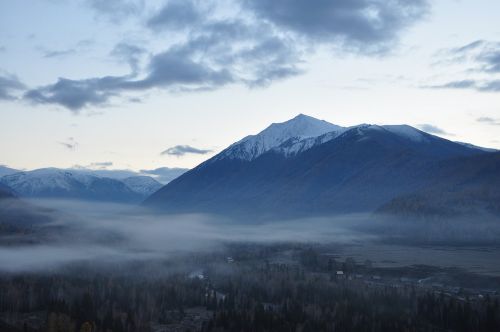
(355, 170)
(71, 184)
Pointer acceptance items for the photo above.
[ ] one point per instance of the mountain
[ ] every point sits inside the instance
(6, 192)
(306, 166)
(4, 170)
(56, 183)
(164, 174)
(18, 216)
(463, 186)
(299, 128)
(472, 146)
(143, 185)
(118, 174)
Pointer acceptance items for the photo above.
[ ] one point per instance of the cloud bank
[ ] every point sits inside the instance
(111, 233)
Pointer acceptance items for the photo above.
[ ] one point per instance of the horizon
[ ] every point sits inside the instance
(99, 170)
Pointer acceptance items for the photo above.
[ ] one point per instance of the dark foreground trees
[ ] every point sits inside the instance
(250, 294)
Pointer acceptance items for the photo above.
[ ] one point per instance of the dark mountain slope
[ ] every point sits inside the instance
(461, 186)
(6, 191)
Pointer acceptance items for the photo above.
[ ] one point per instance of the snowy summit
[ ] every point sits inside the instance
(299, 128)
(303, 132)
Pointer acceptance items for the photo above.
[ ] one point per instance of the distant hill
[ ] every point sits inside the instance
(307, 166)
(18, 216)
(63, 184)
(144, 185)
(162, 174)
(460, 186)
(6, 192)
(4, 170)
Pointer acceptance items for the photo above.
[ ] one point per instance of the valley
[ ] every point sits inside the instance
(250, 287)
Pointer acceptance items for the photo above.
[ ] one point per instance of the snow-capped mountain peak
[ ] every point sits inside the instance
(304, 132)
(44, 178)
(297, 129)
(302, 126)
(79, 184)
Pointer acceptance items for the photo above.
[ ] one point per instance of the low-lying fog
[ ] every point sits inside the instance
(96, 232)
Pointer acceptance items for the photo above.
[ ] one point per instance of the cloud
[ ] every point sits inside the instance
(116, 10)
(483, 85)
(181, 150)
(213, 44)
(175, 67)
(481, 60)
(58, 54)
(360, 24)
(164, 174)
(9, 84)
(135, 100)
(183, 67)
(176, 15)
(78, 48)
(111, 235)
(488, 120)
(74, 94)
(129, 53)
(489, 86)
(484, 55)
(468, 47)
(491, 61)
(70, 144)
(101, 165)
(431, 129)
(80, 232)
(166, 70)
(463, 84)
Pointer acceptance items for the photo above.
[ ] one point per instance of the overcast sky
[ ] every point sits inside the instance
(147, 84)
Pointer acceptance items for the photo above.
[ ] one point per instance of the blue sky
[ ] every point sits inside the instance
(140, 85)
